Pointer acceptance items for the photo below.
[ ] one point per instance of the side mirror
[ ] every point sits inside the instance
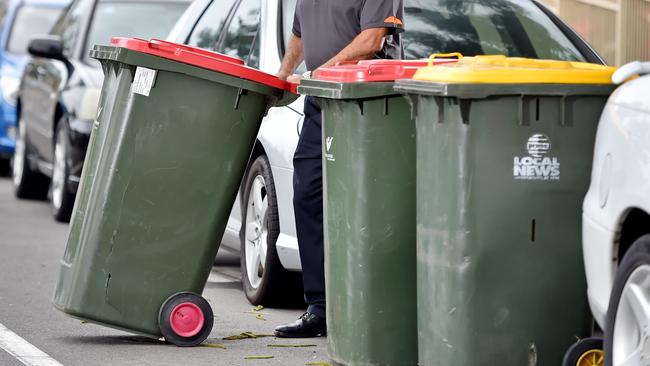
(48, 47)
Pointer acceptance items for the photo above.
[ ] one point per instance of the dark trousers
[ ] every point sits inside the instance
(308, 207)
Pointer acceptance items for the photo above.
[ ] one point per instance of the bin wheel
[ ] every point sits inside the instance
(185, 319)
(585, 352)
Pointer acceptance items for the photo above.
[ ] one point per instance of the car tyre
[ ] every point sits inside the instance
(627, 333)
(265, 280)
(62, 198)
(5, 167)
(585, 352)
(28, 183)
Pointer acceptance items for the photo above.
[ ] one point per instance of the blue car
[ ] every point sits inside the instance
(24, 19)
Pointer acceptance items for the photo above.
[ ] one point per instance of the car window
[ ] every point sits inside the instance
(241, 37)
(30, 21)
(474, 27)
(207, 30)
(69, 26)
(132, 19)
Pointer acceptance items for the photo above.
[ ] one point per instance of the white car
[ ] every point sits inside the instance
(616, 222)
(257, 31)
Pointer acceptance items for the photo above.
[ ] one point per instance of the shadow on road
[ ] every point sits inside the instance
(111, 340)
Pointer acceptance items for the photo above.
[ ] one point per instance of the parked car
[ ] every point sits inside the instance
(60, 88)
(24, 19)
(258, 31)
(616, 222)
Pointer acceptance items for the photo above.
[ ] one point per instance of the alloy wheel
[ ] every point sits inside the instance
(256, 235)
(58, 171)
(631, 338)
(19, 156)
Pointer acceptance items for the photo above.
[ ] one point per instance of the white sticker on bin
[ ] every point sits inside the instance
(143, 81)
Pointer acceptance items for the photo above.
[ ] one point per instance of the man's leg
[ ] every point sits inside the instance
(308, 207)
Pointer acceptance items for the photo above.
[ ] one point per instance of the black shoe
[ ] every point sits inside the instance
(307, 326)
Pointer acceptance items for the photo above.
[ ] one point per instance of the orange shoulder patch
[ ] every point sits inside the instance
(393, 20)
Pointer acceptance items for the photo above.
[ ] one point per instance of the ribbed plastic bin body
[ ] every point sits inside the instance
(502, 169)
(159, 180)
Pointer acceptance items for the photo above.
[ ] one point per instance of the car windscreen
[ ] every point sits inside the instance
(30, 21)
(515, 28)
(132, 19)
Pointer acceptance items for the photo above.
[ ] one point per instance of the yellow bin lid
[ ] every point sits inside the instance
(514, 70)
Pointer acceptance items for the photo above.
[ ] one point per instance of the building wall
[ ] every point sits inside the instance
(618, 29)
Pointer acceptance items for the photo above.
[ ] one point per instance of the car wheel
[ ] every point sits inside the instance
(585, 352)
(265, 280)
(62, 198)
(5, 167)
(627, 333)
(28, 183)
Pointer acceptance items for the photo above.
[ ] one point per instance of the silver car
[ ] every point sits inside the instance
(262, 225)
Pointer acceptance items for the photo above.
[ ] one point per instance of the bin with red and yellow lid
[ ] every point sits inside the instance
(369, 210)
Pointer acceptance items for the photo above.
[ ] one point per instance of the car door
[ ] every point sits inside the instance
(51, 76)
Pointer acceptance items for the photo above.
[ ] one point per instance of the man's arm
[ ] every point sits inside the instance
(363, 47)
(293, 57)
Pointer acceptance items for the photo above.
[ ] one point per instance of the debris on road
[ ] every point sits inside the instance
(257, 311)
(214, 345)
(291, 345)
(257, 357)
(246, 335)
(318, 363)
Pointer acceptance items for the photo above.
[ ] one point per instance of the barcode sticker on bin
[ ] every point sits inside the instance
(143, 81)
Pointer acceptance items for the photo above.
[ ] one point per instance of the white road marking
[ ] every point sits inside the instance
(24, 351)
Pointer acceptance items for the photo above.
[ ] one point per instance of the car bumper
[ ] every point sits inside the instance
(600, 265)
(7, 132)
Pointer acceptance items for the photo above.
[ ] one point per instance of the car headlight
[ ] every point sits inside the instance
(10, 87)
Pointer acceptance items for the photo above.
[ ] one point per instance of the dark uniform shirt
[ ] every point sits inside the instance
(326, 27)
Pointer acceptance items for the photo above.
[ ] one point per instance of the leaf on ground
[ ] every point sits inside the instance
(257, 357)
(214, 345)
(291, 345)
(258, 308)
(260, 317)
(247, 335)
(256, 312)
(318, 363)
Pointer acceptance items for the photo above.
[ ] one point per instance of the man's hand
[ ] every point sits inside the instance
(363, 47)
(294, 79)
(292, 58)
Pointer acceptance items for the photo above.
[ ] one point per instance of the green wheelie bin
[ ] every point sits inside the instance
(504, 151)
(369, 211)
(174, 131)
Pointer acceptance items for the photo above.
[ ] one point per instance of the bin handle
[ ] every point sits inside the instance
(163, 46)
(433, 57)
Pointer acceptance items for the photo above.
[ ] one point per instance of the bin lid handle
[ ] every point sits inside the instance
(432, 58)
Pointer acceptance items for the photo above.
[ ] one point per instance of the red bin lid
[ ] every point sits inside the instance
(202, 58)
(374, 70)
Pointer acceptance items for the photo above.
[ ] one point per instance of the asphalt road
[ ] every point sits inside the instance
(31, 244)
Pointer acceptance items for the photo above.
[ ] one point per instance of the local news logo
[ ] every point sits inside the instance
(537, 165)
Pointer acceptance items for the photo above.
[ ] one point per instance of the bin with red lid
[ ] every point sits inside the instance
(173, 134)
(369, 211)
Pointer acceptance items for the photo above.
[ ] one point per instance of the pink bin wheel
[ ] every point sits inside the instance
(186, 319)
